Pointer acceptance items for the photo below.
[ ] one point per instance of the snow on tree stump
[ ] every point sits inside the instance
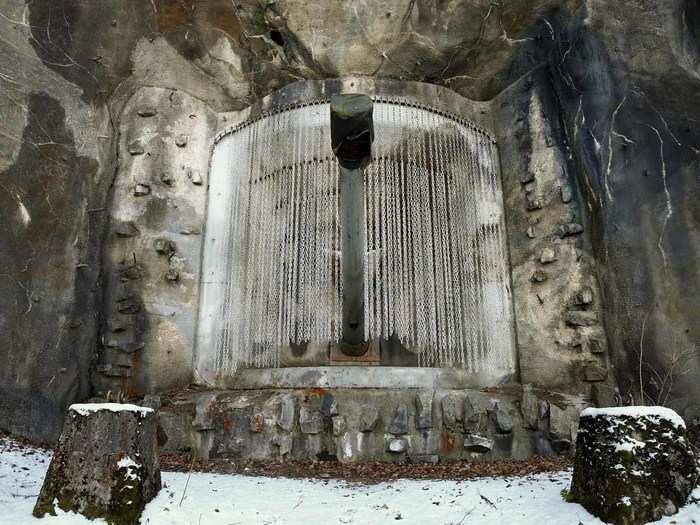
(105, 465)
(633, 464)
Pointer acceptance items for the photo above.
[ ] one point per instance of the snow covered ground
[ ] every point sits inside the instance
(212, 499)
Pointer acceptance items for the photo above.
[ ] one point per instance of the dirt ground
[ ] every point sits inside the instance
(369, 472)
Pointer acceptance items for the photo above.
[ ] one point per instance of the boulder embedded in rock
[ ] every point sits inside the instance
(633, 464)
(105, 465)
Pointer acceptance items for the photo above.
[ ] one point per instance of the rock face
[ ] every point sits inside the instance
(105, 465)
(633, 464)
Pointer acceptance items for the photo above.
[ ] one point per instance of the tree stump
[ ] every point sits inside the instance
(633, 464)
(105, 465)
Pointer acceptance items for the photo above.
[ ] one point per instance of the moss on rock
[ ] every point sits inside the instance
(105, 466)
(632, 468)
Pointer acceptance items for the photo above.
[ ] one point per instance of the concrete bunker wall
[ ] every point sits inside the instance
(158, 229)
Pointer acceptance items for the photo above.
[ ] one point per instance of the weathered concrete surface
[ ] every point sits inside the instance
(153, 289)
(371, 424)
(106, 464)
(363, 377)
(554, 271)
(614, 83)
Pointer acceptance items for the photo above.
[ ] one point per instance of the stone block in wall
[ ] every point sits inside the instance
(164, 246)
(527, 177)
(566, 193)
(147, 111)
(452, 413)
(194, 177)
(130, 272)
(175, 426)
(128, 305)
(529, 406)
(580, 318)
(533, 202)
(396, 445)
(475, 413)
(424, 409)
(584, 296)
(399, 423)
(369, 418)
(339, 425)
(167, 178)
(142, 189)
(329, 405)
(286, 412)
(477, 443)
(125, 228)
(593, 341)
(563, 425)
(569, 229)
(539, 276)
(504, 423)
(310, 420)
(284, 444)
(548, 255)
(135, 148)
(204, 412)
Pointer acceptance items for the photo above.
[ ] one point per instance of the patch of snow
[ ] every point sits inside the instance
(130, 465)
(629, 445)
(85, 409)
(637, 412)
(127, 462)
(626, 501)
(216, 499)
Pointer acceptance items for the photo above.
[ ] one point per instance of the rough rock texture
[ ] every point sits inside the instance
(594, 110)
(593, 101)
(633, 464)
(105, 465)
(355, 425)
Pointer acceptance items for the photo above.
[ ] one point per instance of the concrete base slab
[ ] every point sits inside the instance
(364, 377)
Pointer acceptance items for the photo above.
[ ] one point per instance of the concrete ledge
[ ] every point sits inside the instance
(364, 377)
